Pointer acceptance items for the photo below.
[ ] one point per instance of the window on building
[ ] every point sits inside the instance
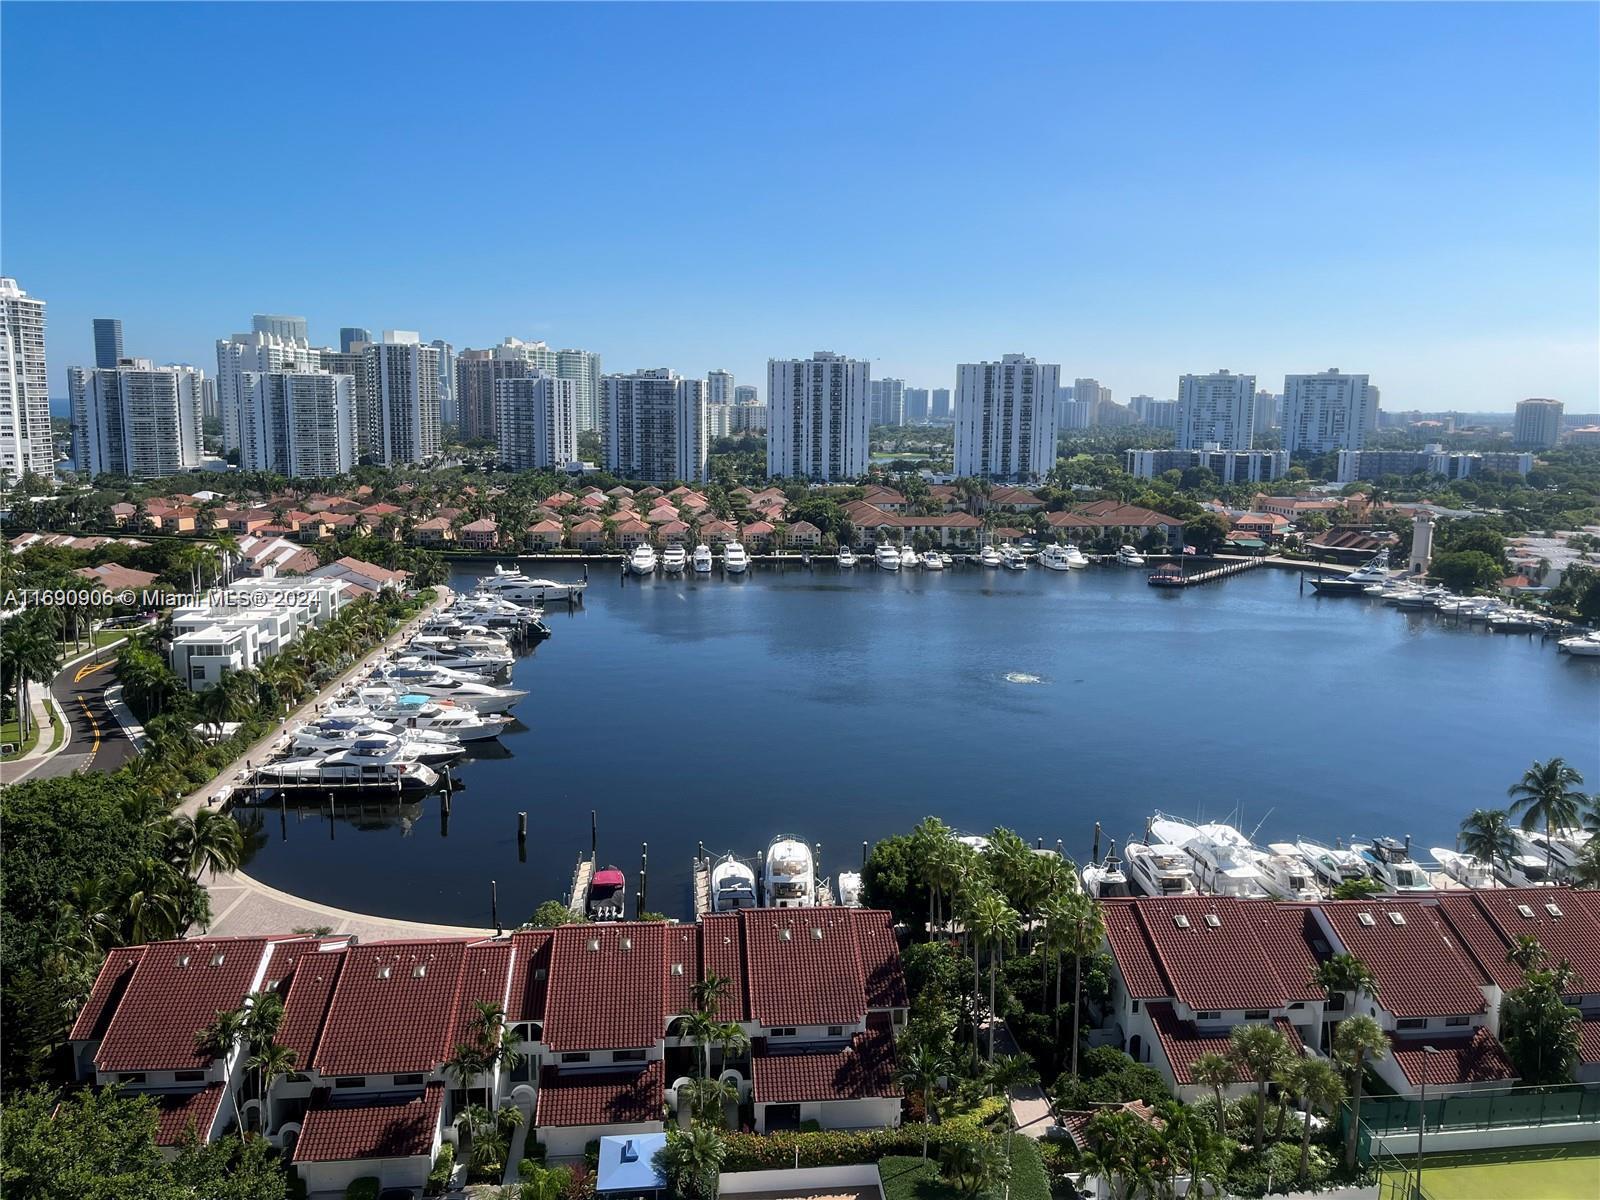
(1208, 1016)
(1255, 1014)
(351, 1081)
(1135, 1006)
(1411, 1023)
(835, 1030)
(1457, 1021)
(575, 1058)
(189, 1076)
(627, 1056)
(783, 1032)
(131, 1077)
(409, 1080)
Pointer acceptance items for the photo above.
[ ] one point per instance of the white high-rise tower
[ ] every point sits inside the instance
(1326, 411)
(1538, 425)
(1006, 419)
(25, 441)
(1216, 408)
(817, 411)
(656, 426)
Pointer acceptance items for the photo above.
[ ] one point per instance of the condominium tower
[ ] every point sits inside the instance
(25, 441)
(1324, 412)
(888, 401)
(1538, 424)
(1006, 418)
(655, 426)
(281, 326)
(536, 421)
(1218, 408)
(817, 412)
(107, 341)
(403, 386)
(136, 419)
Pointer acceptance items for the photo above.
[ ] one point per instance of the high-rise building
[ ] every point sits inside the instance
(1326, 411)
(208, 400)
(1216, 408)
(817, 413)
(748, 418)
(352, 338)
(1372, 409)
(447, 382)
(353, 362)
(583, 368)
(403, 384)
(939, 405)
(1140, 407)
(1162, 414)
(888, 401)
(1538, 424)
(719, 387)
(477, 372)
(243, 354)
(747, 393)
(655, 426)
(318, 414)
(25, 441)
(136, 419)
(107, 342)
(1266, 410)
(1006, 419)
(536, 421)
(1091, 392)
(287, 328)
(917, 406)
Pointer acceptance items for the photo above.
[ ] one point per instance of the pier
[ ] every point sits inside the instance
(582, 877)
(1163, 576)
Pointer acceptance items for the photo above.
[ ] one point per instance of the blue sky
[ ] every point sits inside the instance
(1132, 191)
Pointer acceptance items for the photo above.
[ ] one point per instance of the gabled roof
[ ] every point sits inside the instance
(880, 958)
(1420, 968)
(1183, 1042)
(605, 987)
(346, 1128)
(599, 1097)
(863, 1068)
(804, 966)
(177, 1112)
(681, 970)
(108, 989)
(530, 975)
(722, 953)
(1488, 923)
(305, 1002)
(1472, 1058)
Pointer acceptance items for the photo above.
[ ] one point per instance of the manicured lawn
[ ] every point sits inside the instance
(1546, 1173)
(909, 1178)
(10, 735)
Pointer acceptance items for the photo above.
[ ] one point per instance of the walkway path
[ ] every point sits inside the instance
(1030, 1108)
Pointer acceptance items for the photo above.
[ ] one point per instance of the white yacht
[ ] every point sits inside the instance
(850, 889)
(931, 561)
(1331, 866)
(1390, 863)
(1225, 863)
(945, 559)
(1286, 875)
(643, 559)
(1464, 869)
(381, 766)
(1561, 851)
(1525, 870)
(1130, 557)
(411, 666)
(734, 559)
(788, 877)
(456, 657)
(1075, 557)
(847, 557)
(733, 885)
(1585, 645)
(468, 693)
(488, 612)
(674, 560)
(989, 557)
(341, 733)
(701, 559)
(1013, 559)
(1159, 869)
(513, 585)
(1054, 557)
(424, 713)
(887, 557)
(460, 633)
(1105, 878)
(908, 558)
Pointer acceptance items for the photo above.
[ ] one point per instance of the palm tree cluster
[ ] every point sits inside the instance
(1139, 1157)
(492, 1047)
(708, 1096)
(29, 654)
(1538, 1028)
(1547, 797)
(251, 1031)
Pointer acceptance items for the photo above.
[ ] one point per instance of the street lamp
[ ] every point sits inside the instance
(1422, 1119)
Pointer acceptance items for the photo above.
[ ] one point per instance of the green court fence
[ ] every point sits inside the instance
(1525, 1108)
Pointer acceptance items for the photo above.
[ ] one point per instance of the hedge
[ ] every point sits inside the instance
(839, 1147)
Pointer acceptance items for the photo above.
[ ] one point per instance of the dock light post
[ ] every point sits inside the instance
(1422, 1121)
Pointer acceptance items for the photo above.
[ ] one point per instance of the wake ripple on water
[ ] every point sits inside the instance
(1022, 677)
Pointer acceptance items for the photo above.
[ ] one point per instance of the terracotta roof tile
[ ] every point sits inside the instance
(605, 987)
(1420, 968)
(1183, 1042)
(1135, 963)
(804, 966)
(108, 989)
(393, 1008)
(680, 969)
(880, 958)
(1589, 1039)
(342, 1129)
(177, 1112)
(530, 975)
(1474, 1058)
(485, 975)
(722, 953)
(1489, 922)
(305, 1003)
(863, 1068)
(599, 1097)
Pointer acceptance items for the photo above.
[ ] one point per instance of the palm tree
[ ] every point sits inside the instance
(927, 845)
(465, 1064)
(731, 1040)
(1527, 955)
(920, 1071)
(151, 902)
(1345, 975)
(269, 1062)
(263, 1016)
(994, 924)
(692, 1161)
(220, 1039)
(28, 653)
(707, 1099)
(1261, 1050)
(699, 1028)
(1088, 927)
(1216, 1071)
(206, 841)
(709, 991)
(976, 1166)
(1486, 835)
(1316, 1081)
(1358, 1039)
(1548, 793)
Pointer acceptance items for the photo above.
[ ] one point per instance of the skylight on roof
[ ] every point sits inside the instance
(418, 971)
(1213, 921)
(216, 959)
(1366, 919)
(625, 943)
(594, 944)
(385, 971)
(1396, 918)
(677, 968)
(816, 933)
(1552, 910)
(1525, 911)
(785, 934)
(1181, 921)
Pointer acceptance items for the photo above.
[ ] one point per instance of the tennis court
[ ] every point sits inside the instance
(1542, 1173)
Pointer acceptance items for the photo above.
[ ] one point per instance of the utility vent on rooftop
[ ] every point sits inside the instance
(1213, 921)
(785, 934)
(816, 933)
(1525, 911)
(418, 971)
(1366, 919)
(385, 971)
(541, 973)
(1181, 921)
(183, 959)
(1552, 910)
(1396, 918)
(594, 944)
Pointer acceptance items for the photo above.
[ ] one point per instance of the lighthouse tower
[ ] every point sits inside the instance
(1421, 543)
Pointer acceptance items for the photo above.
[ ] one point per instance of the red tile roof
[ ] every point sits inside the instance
(1077, 1123)
(880, 958)
(176, 990)
(599, 1097)
(108, 989)
(177, 1112)
(341, 1129)
(393, 1008)
(680, 949)
(1420, 968)
(1489, 922)
(1474, 1058)
(863, 1068)
(722, 953)
(1589, 1039)
(1182, 1041)
(606, 987)
(485, 973)
(530, 975)
(305, 1002)
(804, 966)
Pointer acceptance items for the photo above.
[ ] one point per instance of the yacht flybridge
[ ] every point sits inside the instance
(789, 877)
(513, 585)
(734, 559)
(1159, 869)
(1390, 863)
(733, 885)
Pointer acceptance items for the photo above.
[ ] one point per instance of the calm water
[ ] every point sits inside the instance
(842, 706)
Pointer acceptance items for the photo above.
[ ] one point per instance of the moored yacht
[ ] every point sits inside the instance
(1075, 557)
(733, 885)
(734, 559)
(340, 733)
(887, 557)
(1286, 875)
(441, 652)
(468, 693)
(1128, 556)
(847, 557)
(989, 557)
(643, 559)
(931, 561)
(1013, 559)
(424, 713)
(1524, 870)
(1054, 557)
(1375, 570)
(850, 889)
(1225, 863)
(1464, 869)
(513, 585)
(674, 559)
(1390, 863)
(908, 557)
(1585, 645)
(1159, 869)
(1106, 878)
(381, 766)
(788, 876)
(608, 895)
(1332, 866)
(701, 559)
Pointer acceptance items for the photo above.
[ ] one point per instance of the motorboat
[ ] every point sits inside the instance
(1158, 869)
(1332, 866)
(908, 558)
(1168, 575)
(1225, 863)
(1130, 557)
(375, 764)
(989, 557)
(1516, 621)
(1560, 851)
(1415, 598)
(1076, 559)
(1286, 875)
(456, 657)
(887, 557)
(1585, 645)
(945, 560)
(1464, 869)
(1374, 570)
(850, 886)
(1054, 558)
(1106, 878)
(340, 733)
(789, 878)
(459, 633)
(931, 561)
(1013, 559)
(734, 560)
(416, 666)
(425, 714)
(847, 557)
(1390, 863)
(608, 895)
(674, 559)
(700, 560)
(487, 612)
(468, 693)
(513, 585)
(733, 885)
(643, 560)
(1525, 870)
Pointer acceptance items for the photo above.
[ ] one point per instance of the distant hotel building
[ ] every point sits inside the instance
(403, 387)
(25, 440)
(1538, 424)
(1229, 466)
(536, 421)
(1324, 412)
(1430, 460)
(817, 417)
(917, 407)
(1006, 419)
(1216, 408)
(655, 426)
(136, 419)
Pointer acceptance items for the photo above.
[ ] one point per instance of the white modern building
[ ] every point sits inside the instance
(1229, 466)
(318, 430)
(1218, 408)
(536, 421)
(1324, 412)
(245, 354)
(747, 393)
(403, 384)
(138, 420)
(1006, 419)
(656, 426)
(288, 328)
(817, 414)
(720, 387)
(1266, 411)
(25, 441)
(888, 401)
(1091, 393)
(1538, 425)
(1432, 459)
(239, 627)
(583, 368)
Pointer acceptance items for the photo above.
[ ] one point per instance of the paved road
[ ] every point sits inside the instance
(97, 742)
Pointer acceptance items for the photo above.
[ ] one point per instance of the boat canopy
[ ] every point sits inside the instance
(610, 877)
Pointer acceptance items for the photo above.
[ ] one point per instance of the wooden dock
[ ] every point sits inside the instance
(1156, 579)
(702, 886)
(582, 877)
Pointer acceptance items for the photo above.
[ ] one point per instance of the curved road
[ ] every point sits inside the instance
(96, 741)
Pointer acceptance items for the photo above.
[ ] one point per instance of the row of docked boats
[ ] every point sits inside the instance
(784, 876)
(675, 560)
(1179, 857)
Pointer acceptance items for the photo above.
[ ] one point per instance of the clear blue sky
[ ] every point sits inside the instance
(1132, 191)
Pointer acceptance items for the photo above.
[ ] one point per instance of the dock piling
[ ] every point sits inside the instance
(1096, 855)
(494, 905)
(522, 827)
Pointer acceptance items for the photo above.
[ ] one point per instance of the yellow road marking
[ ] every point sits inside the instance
(94, 726)
(85, 672)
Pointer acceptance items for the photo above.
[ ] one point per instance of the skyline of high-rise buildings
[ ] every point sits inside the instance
(137, 419)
